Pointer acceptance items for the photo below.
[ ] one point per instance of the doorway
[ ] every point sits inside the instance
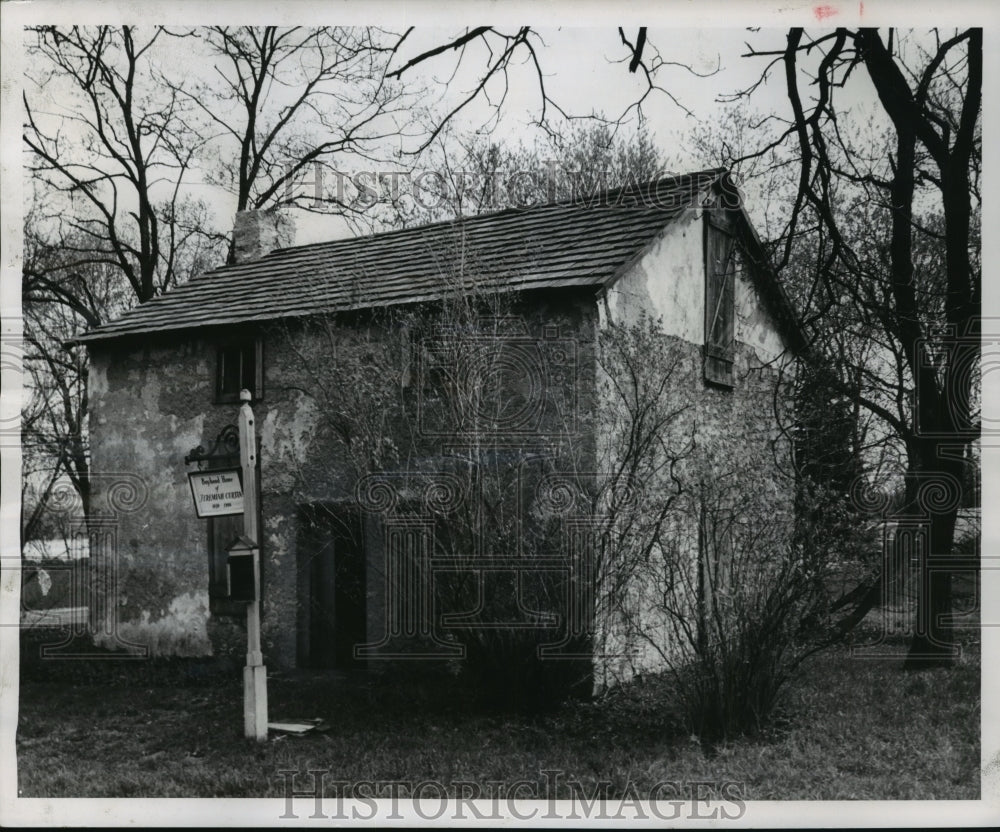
(331, 587)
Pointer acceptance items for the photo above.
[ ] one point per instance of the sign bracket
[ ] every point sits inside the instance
(225, 449)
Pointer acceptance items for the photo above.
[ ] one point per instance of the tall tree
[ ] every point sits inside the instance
(103, 131)
(286, 105)
(893, 225)
(110, 225)
(62, 293)
(117, 145)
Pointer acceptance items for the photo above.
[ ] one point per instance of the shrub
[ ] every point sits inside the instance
(738, 607)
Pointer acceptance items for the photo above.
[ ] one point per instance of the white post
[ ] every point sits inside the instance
(254, 674)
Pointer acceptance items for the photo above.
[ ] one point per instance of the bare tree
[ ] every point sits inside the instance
(495, 54)
(287, 107)
(103, 130)
(62, 294)
(891, 210)
(476, 174)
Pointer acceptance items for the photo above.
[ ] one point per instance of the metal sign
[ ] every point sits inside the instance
(217, 493)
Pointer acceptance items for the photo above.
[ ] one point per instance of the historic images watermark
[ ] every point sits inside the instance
(316, 792)
(950, 419)
(956, 361)
(319, 188)
(906, 561)
(497, 407)
(11, 366)
(499, 382)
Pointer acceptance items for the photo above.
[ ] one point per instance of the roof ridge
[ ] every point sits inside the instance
(582, 240)
(604, 193)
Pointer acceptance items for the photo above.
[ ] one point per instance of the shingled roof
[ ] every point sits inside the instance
(578, 243)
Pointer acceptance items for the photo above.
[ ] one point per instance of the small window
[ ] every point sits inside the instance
(240, 365)
(720, 303)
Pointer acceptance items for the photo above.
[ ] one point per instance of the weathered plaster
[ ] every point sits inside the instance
(667, 281)
(152, 402)
(144, 417)
(755, 324)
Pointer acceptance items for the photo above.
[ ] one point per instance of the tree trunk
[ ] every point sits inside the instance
(936, 496)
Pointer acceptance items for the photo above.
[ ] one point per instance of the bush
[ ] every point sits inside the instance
(742, 606)
(505, 664)
(738, 670)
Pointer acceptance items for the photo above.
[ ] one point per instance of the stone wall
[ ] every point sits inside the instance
(341, 399)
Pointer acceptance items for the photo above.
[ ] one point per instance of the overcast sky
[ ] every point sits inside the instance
(583, 74)
(578, 59)
(581, 64)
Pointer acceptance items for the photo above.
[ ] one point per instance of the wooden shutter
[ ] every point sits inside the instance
(221, 532)
(720, 303)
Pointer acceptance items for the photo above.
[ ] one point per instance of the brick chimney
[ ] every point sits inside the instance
(258, 232)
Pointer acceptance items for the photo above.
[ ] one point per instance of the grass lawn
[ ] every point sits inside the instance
(850, 728)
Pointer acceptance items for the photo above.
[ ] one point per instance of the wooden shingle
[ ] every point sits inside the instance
(585, 242)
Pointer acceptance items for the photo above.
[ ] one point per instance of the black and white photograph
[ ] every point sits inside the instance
(577, 420)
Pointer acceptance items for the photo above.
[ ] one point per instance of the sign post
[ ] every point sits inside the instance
(254, 674)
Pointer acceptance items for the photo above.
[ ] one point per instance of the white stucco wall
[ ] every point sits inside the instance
(667, 281)
(755, 324)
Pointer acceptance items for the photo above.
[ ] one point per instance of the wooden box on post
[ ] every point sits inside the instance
(240, 569)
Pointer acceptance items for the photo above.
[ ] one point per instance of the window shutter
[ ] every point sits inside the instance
(720, 302)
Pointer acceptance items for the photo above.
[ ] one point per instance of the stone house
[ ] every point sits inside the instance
(415, 382)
